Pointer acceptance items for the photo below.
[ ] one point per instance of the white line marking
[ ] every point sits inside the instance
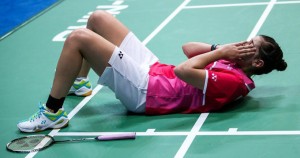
(238, 5)
(191, 136)
(225, 5)
(84, 101)
(166, 21)
(199, 133)
(118, 2)
(288, 2)
(250, 133)
(232, 130)
(262, 19)
(150, 131)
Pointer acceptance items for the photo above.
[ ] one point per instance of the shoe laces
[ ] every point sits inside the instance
(38, 114)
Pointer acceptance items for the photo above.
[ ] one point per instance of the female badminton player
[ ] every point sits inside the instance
(212, 77)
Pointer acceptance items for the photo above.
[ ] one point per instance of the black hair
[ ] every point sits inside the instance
(272, 55)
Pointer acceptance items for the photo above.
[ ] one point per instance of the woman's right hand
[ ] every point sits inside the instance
(237, 51)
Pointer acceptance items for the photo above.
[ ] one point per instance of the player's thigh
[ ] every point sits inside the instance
(95, 49)
(108, 27)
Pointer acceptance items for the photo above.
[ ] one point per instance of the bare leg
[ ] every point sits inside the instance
(81, 44)
(84, 48)
(107, 26)
(85, 68)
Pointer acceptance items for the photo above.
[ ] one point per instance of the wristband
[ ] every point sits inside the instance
(214, 47)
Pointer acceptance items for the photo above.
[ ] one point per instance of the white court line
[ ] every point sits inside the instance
(250, 133)
(225, 5)
(238, 5)
(262, 19)
(199, 133)
(191, 136)
(232, 130)
(150, 130)
(166, 21)
(98, 87)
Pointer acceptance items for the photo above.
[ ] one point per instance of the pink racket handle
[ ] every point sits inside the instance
(120, 136)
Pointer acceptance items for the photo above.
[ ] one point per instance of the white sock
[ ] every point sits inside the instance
(81, 78)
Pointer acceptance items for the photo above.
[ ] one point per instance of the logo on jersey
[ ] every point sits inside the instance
(121, 54)
(214, 77)
(229, 67)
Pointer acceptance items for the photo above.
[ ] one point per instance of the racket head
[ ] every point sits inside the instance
(30, 143)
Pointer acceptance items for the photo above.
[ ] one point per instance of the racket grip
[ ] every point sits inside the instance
(121, 136)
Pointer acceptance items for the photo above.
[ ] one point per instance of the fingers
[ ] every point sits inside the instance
(248, 47)
(247, 53)
(240, 43)
(244, 43)
(246, 50)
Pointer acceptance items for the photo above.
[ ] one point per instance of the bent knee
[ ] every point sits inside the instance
(98, 16)
(78, 35)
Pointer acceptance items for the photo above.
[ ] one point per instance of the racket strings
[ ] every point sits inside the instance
(28, 143)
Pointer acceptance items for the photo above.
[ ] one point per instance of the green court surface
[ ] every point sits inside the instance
(265, 124)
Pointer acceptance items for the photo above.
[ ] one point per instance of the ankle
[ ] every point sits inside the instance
(53, 104)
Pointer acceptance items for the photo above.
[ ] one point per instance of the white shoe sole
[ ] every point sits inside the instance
(83, 91)
(60, 123)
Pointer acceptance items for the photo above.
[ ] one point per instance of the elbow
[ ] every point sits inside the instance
(179, 71)
(185, 49)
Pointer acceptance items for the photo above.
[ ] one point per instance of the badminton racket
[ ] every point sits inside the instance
(34, 143)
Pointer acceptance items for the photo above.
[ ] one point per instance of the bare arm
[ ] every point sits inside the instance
(192, 70)
(192, 49)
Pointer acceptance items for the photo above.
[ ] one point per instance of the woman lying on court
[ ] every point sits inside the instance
(213, 75)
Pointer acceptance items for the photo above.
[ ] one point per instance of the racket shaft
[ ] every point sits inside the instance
(74, 140)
